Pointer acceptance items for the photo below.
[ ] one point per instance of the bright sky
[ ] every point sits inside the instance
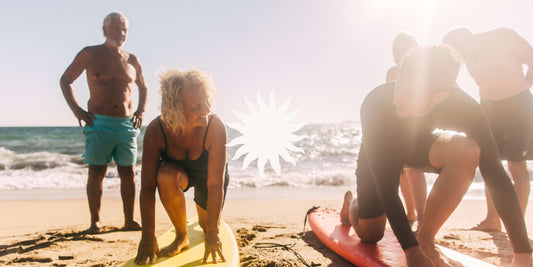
(326, 55)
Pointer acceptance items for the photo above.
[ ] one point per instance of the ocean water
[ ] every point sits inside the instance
(41, 158)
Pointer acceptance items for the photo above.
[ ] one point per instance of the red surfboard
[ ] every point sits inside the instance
(343, 240)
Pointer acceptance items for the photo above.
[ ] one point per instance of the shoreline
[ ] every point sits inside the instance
(268, 192)
(275, 192)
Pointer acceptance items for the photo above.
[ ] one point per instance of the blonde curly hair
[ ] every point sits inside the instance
(173, 83)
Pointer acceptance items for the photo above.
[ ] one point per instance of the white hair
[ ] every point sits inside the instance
(115, 14)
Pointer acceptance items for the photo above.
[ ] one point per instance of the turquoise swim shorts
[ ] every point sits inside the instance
(110, 137)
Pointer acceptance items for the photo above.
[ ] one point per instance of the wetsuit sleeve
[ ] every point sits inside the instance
(381, 138)
(496, 180)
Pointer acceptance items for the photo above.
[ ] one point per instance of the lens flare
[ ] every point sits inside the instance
(267, 134)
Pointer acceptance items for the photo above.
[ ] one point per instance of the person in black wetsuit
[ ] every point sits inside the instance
(184, 148)
(398, 123)
(412, 182)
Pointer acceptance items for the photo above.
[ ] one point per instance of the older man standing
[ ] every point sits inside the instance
(111, 124)
(495, 60)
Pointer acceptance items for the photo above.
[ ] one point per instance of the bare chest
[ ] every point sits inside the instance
(110, 68)
(495, 67)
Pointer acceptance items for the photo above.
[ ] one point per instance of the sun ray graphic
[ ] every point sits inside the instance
(267, 134)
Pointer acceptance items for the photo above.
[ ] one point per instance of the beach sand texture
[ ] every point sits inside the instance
(50, 232)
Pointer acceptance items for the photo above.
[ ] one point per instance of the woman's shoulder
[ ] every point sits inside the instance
(216, 130)
(153, 136)
(153, 130)
(154, 124)
(215, 119)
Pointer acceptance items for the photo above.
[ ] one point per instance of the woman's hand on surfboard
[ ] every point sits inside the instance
(213, 246)
(148, 249)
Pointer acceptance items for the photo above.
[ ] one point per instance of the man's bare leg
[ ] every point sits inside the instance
(171, 181)
(491, 222)
(458, 158)
(127, 191)
(94, 195)
(417, 182)
(408, 197)
(520, 176)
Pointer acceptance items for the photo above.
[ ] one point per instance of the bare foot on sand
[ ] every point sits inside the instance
(131, 226)
(178, 245)
(345, 210)
(95, 228)
(438, 258)
(488, 226)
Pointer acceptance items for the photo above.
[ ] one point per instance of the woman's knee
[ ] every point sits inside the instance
(171, 178)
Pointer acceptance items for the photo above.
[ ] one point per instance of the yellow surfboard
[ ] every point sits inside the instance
(193, 255)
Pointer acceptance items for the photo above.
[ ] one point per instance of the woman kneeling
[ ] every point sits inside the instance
(183, 148)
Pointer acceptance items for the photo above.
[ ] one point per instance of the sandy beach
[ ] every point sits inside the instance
(50, 232)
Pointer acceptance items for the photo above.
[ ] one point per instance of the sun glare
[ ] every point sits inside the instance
(418, 14)
(267, 134)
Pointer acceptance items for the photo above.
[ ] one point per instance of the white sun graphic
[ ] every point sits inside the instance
(267, 134)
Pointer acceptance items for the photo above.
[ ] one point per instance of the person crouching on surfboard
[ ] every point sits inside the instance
(398, 122)
(184, 148)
